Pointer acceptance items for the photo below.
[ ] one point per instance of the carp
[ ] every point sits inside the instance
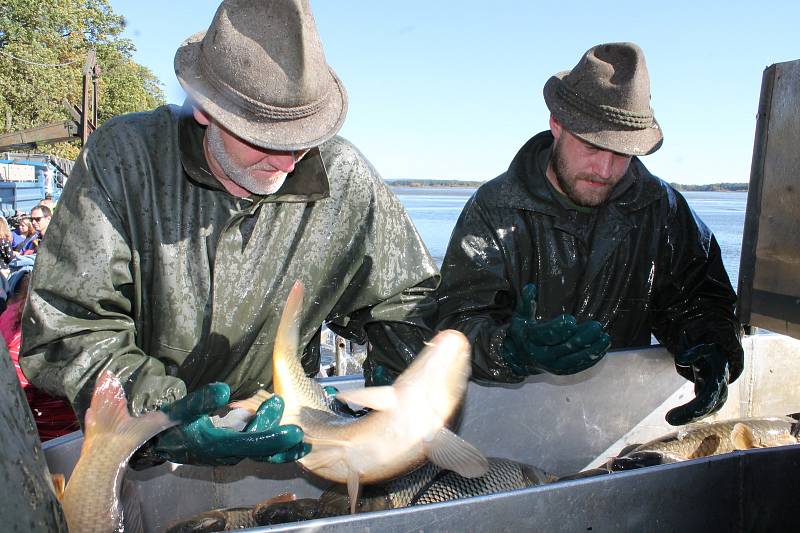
(228, 519)
(432, 484)
(408, 421)
(427, 484)
(705, 439)
(91, 499)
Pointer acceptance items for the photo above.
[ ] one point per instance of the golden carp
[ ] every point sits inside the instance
(705, 439)
(91, 500)
(406, 427)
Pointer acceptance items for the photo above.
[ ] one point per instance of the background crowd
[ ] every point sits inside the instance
(20, 238)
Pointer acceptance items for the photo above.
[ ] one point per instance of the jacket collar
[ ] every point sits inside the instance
(525, 186)
(307, 183)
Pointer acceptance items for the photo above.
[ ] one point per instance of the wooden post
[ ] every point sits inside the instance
(88, 69)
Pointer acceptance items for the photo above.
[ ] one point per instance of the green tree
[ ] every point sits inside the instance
(43, 48)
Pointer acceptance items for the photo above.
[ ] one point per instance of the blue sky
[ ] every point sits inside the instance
(451, 90)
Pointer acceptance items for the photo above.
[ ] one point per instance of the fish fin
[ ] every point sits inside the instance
(283, 497)
(323, 455)
(131, 504)
(353, 488)
(108, 416)
(285, 357)
(377, 398)
(59, 484)
(743, 438)
(450, 451)
(108, 409)
(319, 442)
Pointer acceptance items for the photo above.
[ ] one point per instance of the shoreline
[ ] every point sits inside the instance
(457, 184)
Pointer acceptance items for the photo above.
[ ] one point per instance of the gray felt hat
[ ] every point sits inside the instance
(605, 100)
(260, 71)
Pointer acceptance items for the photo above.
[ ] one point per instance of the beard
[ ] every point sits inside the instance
(241, 176)
(569, 181)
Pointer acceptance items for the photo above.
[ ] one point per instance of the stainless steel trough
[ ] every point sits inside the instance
(559, 424)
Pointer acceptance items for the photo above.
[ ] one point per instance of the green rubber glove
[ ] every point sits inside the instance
(711, 372)
(340, 407)
(198, 442)
(558, 346)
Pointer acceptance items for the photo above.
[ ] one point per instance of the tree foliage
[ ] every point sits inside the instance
(35, 35)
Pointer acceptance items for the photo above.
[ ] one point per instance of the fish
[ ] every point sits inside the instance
(91, 499)
(227, 519)
(433, 484)
(706, 439)
(427, 484)
(407, 424)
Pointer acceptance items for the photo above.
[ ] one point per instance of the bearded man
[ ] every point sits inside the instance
(578, 247)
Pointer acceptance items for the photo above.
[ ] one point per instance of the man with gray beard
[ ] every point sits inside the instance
(578, 248)
(181, 231)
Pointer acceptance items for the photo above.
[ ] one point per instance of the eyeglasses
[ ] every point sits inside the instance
(37, 219)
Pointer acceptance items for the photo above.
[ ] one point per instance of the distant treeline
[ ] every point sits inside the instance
(434, 183)
(736, 187)
(473, 184)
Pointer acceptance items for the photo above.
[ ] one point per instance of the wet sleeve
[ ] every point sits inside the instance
(79, 318)
(388, 302)
(695, 302)
(476, 292)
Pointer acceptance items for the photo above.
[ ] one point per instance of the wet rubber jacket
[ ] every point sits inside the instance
(153, 271)
(641, 263)
(29, 503)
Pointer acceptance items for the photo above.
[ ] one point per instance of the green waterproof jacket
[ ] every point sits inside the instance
(642, 263)
(152, 270)
(28, 503)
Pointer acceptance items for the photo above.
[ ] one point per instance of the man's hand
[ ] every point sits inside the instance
(197, 441)
(711, 374)
(557, 346)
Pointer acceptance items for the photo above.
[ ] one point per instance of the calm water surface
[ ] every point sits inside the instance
(435, 212)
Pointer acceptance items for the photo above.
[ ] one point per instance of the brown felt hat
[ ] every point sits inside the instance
(260, 71)
(605, 100)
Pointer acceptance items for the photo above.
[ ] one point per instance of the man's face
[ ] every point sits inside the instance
(39, 221)
(241, 167)
(585, 173)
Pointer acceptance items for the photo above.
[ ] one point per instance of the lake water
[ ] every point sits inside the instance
(435, 212)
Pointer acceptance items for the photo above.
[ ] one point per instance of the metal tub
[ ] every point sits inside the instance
(560, 424)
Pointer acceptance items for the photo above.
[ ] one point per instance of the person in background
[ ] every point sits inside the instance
(53, 416)
(40, 219)
(181, 232)
(578, 247)
(22, 233)
(29, 245)
(6, 240)
(48, 201)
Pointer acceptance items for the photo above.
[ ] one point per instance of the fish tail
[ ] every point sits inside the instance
(108, 417)
(287, 340)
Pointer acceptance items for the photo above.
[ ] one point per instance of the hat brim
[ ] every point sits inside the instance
(283, 135)
(628, 141)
